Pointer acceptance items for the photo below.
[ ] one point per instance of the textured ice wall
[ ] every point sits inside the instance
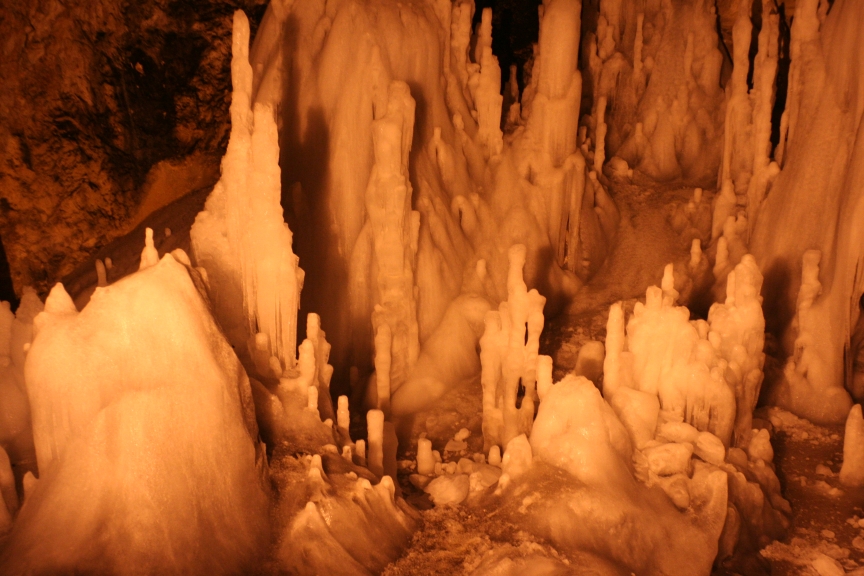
(656, 67)
(145, 437)
(818, 197)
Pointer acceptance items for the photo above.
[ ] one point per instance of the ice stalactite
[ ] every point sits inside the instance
(509, 356)
(807, 375)
(251, 268)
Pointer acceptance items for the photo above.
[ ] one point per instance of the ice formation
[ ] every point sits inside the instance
(471, 190)
(139, 407)
(815, 201)
(253, 272)
(852, 472)
(436, 230)
(660, 85)
(706, 374)
(807, 374)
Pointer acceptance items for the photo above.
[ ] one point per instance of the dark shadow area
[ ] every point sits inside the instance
(515, 26)
(782, 81)
(778, 308)
(7, 290)
(304, 158)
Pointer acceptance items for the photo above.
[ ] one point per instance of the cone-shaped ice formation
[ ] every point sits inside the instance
(240, 238)
(145, 432)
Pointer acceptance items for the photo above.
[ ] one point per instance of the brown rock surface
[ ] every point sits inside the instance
(108, 111)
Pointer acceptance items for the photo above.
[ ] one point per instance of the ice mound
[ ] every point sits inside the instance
(336, 522)
(145, 436)
(581, 458)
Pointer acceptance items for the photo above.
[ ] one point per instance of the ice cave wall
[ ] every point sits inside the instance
(817, 203)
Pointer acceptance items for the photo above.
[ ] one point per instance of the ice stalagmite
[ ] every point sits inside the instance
(240, 238)
(393, 228)
(487, 93)
(145, 433)
(508, 353)
(737, 141)
(807, 387)
(852, 472)
(707, 374)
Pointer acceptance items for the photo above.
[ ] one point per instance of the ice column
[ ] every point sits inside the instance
(394, 227)
(242, 223)
(509, 357)
(554, 110)
(487, 94)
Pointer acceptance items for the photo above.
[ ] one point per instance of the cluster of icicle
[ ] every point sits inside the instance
(747, 170)
(251, 268)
